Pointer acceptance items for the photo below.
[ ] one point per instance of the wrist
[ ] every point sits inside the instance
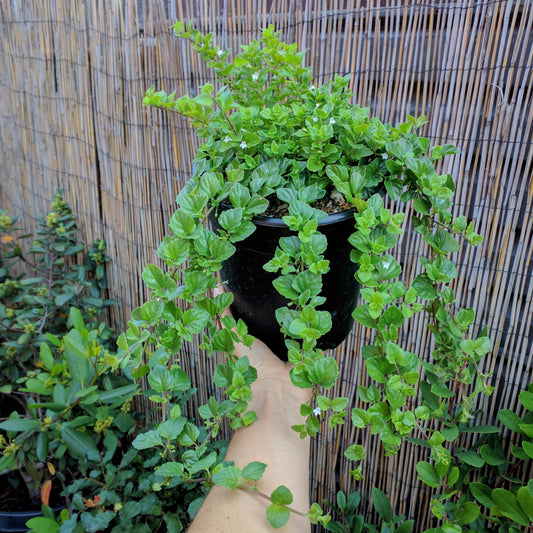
(278, 402)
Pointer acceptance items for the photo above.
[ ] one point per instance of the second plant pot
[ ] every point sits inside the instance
(256, 299)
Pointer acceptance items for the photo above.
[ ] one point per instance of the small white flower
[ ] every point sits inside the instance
(315, 119)
(317, 411)
(384, 156)
(227, 139)
(317, 105)
(255, 76)
(313, 88)
(243, 144)
(332, 120)
(386, 265)
(220, 52)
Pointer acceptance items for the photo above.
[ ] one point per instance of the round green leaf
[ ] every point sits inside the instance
(466, 513)
(227, 477)
(277, 516)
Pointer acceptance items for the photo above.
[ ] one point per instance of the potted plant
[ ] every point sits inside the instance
(284, 165)
(278, 150)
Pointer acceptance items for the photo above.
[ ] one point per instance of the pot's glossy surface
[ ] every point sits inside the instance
(256, 300)
(15, 521)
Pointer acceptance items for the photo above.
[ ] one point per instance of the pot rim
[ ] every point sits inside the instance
(332, 218)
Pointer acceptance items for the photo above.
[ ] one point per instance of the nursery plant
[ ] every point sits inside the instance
(41, 377)
(273, 145)
(67, 412)
(39, 285)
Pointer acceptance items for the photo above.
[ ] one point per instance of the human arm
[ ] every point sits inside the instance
(269, 440)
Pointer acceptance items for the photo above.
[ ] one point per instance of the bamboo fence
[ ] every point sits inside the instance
(72, 79)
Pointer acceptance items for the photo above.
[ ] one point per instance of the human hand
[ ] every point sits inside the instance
(273, 378)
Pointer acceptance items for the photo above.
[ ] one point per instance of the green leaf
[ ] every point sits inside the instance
(148, 313)
(428, 474)
(204, 463)
(98, 521)
(406, 527)
(378, 367)
(528, 448)
(41, 524)
(253, 470)
(525, 499)
(355, 452)
(171, 428)
(19, 424)
(509, 506)
(153, 277)
(527, 430)
(277, 516)
(482, 493)
(443, 241)
(173, 523)
(150, 439)
(510, 420)
(79, 444)
(75, 318)
(231, 219)
(45, 353)
(453, 476)
(162, 379)
(76, 357)
(42, 446)
(119, 392)
(362, 315)
(124, 422)
(8, 462)
(441, 390)
(526, 399)
(493, 456)
(281, 496)
(450, 433)
(424, 287)
(325, 372)
(382, 505)
(64, 297)
(227, 477)
(170, 469)
(466, 513)
(471, 458)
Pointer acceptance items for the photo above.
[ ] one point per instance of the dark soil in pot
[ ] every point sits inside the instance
(17, 505)
(256, 299)
(9, 403)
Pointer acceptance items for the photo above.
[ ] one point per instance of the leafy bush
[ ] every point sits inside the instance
(38, 286)
(70, 433)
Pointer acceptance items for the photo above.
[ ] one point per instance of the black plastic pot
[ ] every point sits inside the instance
(256, 299)
(15, 521)
(17, 506)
